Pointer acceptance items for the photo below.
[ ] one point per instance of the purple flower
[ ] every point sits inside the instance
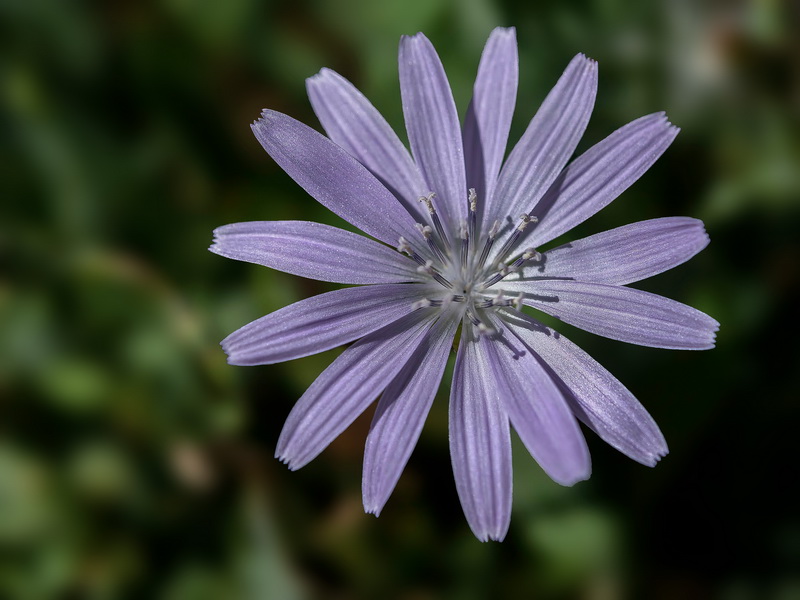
(461, 239)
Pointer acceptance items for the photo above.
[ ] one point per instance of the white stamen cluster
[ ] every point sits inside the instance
(461, 268)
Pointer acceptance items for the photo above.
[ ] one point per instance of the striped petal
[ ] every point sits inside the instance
(595, 396)
(345, 389)
(537, 409)
(547, 144)
(480, 444)
(351, 121)
(623, 255)
(319, 323)
(621, 313)
(489, 115)
(401, 414)
(433, 127)
(313, 250)
(334, 178)
(601, 174)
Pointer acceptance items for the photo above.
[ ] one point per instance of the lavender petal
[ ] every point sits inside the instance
(334, 178)
(537, 409)
(313, 250)
(488, 119)
(621, 313)
(601, 174)
(480, 444)
(433, 127)
(595, 396)
(319, 323)
(625, 254)
(354, 123)
(401, 414)
(345, 389)
(547, 144)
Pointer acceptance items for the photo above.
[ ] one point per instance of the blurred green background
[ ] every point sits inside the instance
(135, 463)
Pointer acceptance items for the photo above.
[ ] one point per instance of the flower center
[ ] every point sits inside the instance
(462, 267)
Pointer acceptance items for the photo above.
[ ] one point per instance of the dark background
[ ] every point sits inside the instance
(135, 463)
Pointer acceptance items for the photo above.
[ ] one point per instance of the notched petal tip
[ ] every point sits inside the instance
(492, 536)
(321, 75)
(289, 462)
(656, 457)
(508, 32)
(713, 328)
(415, 40)
(588, 62)
(267, 117)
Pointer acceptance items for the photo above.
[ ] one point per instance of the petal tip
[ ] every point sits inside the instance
(653, 458)
(414, 40)
(507, 32)
(320, 76)
(290, 463)
(497, 535)
(587, 61)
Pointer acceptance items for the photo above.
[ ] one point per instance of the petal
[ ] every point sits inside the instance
(401, 414)
(345, 389)
(334, 178)
(537, 409)
(488, 119)
(547, 144)
(313, 250)
(621, 313)
(319, 323)
(351, 121)
(596, 397)
(625, 254)
(480, 444)
(601, 174)
(433, 128)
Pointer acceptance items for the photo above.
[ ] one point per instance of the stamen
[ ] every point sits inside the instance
(489, 243)
(464, 234)
(529, 254)
(403, 246)
(525, 220)
(499, 300)
(518, 301)
(428, 200)
(483, 329)
(425, 230)
(504, 271)
(473, 212)
(427, 233)
(426, 303)
(427, 268)
(437, 224)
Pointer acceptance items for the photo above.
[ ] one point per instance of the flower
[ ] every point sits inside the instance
(462, 249)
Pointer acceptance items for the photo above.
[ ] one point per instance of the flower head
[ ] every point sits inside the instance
(462, 235)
